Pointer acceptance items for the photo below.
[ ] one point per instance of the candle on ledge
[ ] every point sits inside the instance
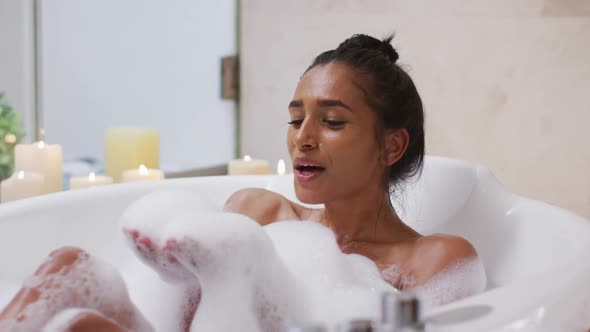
(81, 182)
(127, 147)
(22, 185)
(142, 174)
(247, 166)
(281, 169)
(45, 159)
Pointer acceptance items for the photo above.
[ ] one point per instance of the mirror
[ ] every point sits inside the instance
(153, 64)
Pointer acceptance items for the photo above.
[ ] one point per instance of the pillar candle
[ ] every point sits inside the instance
(142, 174)
(45, 159)
(21, 185)
(247, 166)
(128, 147)
(92, 180)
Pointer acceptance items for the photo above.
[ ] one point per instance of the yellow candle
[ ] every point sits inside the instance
(21, 185)
(45, 159)
(281, 169)
(81, 182)
(247, 166)
(128, 147)
(142, 174)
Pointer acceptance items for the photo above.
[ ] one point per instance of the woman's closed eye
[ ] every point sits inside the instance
(334, 124)
(295, 123)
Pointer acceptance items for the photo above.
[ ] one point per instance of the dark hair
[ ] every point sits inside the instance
(390, 92)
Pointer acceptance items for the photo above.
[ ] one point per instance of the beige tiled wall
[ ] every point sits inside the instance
(505, 83)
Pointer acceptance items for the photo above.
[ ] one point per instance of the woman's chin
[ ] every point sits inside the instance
(307, 196)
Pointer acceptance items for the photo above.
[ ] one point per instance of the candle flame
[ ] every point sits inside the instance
(21, 175)
(281, 169)
(91, 177)
(143, 171)
(247, 158)
(41, 144)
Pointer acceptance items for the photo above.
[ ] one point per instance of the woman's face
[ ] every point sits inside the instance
(331, 138)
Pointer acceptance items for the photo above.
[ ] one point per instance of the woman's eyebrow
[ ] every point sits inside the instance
(322, 103)
(332, 102)
(295, 103)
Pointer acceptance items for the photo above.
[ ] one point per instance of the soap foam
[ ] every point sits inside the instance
(265, 276)
(252, 278)
(465, 278)
(395, 276)
(261, 276)
(89, 283)
(334, 287)
(233, 259)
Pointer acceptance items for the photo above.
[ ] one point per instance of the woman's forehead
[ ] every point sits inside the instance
(330, 81)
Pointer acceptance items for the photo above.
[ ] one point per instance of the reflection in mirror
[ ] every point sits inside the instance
(148, 64)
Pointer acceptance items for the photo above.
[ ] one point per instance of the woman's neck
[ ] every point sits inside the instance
(368, 217)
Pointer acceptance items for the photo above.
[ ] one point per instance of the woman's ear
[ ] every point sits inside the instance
(396, 143)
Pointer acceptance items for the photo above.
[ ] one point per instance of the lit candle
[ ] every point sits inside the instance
(247, 166)
(127, 147)
(142, 174)
(21, 185)
(281, 169)
(81, 182)
(45, 159)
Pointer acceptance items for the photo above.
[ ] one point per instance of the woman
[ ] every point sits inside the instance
(356, 133)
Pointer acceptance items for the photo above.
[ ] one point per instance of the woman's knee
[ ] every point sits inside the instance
(61, 258)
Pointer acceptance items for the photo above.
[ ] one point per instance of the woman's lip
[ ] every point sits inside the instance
(307, 176)
(298, 162)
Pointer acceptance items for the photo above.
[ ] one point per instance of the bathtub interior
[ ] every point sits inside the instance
(516, 237)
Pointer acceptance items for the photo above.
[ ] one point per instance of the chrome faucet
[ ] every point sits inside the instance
(400, 312)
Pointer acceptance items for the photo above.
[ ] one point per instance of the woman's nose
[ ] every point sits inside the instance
(306, 137)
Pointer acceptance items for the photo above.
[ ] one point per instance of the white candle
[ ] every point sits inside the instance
(281, 169)
(142, 174)
(247, 166)
(81, 182)
(21, 185)
(45, 159)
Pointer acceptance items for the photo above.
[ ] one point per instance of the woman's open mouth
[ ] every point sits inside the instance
(307, 170)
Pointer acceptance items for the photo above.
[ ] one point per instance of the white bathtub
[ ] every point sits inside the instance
(535, 254)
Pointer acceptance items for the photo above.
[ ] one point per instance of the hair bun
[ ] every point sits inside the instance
(371, 43)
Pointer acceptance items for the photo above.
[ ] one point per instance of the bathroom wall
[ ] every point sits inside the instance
(16, 58)
(505, 83)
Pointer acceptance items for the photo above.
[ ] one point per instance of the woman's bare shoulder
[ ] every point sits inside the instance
(262, 205)
(433, 254)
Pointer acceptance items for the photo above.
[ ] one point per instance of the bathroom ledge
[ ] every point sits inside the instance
(205, 171)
